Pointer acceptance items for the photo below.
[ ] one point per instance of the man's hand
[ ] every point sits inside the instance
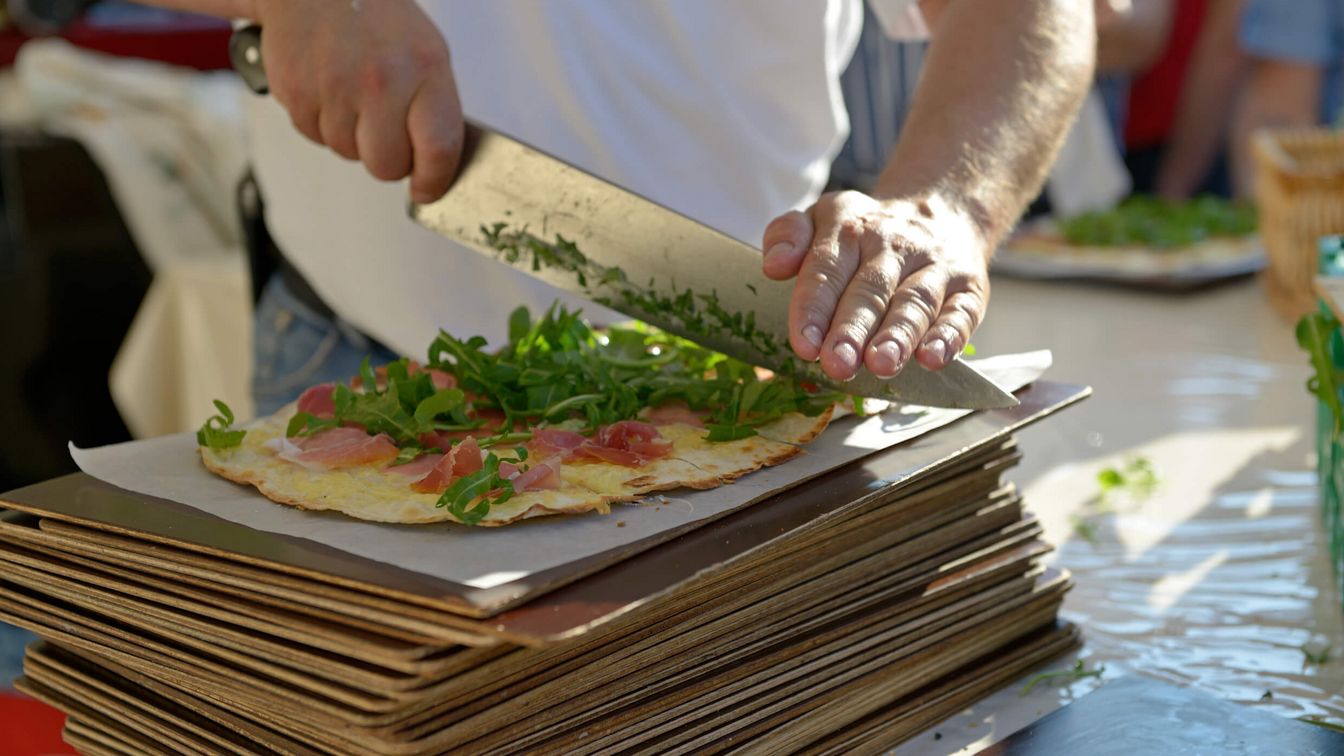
(370, 80)
(879, 281)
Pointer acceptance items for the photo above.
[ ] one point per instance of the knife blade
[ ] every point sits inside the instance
(635, 256)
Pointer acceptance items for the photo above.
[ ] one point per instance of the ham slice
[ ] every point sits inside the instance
(317, 400)
(418, 467)
(543, 475)
(441, 379)
(340, 447)
(674, 412)
(463, 459)
(629, 442)
(552, 442)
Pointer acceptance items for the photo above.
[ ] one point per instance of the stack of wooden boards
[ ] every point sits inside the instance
(842, 615)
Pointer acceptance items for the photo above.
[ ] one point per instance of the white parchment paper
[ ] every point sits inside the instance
(168, 467)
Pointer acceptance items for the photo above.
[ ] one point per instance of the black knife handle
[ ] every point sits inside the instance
(245, 55)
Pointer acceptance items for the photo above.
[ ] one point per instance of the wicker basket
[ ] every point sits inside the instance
(1300, 192)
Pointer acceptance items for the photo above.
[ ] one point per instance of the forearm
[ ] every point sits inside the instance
(1001, 83)
(1277, 95)
(1208, 95)
(1132, 42)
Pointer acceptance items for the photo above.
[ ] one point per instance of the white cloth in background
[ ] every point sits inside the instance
(172, 146)
(1089, 173)
(729, 112)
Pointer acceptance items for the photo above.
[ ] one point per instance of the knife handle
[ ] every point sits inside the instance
(245, 55)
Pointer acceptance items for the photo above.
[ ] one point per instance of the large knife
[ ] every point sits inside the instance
(660, 255)
(635, 256)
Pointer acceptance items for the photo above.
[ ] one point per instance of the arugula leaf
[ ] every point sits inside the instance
(728, 431)
(520, 322)
(383, 413)
(306, 424)
(408, 454)
(1077, 672)
(217, 432)
(477, 487)
(443, 402)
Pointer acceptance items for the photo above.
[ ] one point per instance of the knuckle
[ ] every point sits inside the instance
(851, 229)
(925, 296)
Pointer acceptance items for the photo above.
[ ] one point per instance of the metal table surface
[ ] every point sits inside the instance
(1219, 577)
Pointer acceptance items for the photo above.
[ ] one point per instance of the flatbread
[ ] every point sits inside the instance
(373, 492)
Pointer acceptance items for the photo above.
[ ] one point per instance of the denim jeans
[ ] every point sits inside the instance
(12, 641)
(295, 347)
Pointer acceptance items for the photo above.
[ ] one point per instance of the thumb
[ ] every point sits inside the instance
(786, 242)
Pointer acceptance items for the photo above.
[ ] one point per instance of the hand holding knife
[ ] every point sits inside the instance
(660, 254)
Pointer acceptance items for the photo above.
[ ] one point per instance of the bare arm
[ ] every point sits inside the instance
(371, 81)
(903, 272)
(1278, 94)
(1208, 96)
(1130, 38)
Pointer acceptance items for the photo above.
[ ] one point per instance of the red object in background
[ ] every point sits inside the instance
(1153, 96)
(30, 728)
(200, 43)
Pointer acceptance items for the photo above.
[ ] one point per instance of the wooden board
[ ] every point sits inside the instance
(83, 501)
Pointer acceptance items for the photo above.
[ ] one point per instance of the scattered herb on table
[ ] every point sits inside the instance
(1085, 530)
(218, 432)
(1316, 654)
(1154, 222)
(1136, 477)
(1075, 673)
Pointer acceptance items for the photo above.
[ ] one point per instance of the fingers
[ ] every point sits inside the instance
(831, 260)
(861, 308)
(786, 242)
(382, 138)
(913, 308)
(961, 313)
(877, 285)
(337, 127)
(436, 133)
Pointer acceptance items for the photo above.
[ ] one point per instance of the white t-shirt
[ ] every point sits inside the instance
(729, 112)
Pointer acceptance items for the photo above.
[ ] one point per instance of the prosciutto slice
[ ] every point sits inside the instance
(463, 459)
(630, 443)
(543, 475)
(674, 412)
(418, 467)
(339, 447)
(552, 442)
(317, 400)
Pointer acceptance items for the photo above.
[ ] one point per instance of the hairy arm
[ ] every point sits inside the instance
(1208, 96)
(903, 272)
(1278, 94)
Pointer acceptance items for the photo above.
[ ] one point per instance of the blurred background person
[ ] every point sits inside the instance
(1180, 107)
(1295, 77)
(877, 85)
